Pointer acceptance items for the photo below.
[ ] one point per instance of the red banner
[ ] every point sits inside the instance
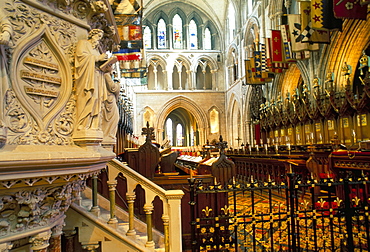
(135, 32)
(276, 46)
(350, 9)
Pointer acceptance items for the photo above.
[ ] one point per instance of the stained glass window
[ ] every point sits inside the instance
(147, 37)
(161, 34)
(193, 35)
(179, 136)
(231, 17)
(177, 32)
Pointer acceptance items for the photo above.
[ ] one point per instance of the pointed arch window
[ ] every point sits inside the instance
(161, 34)
(231, 19)
(179, 135)
(147, 37)
(193, 40)
(207, 39)
(169, 131)
(177, 32)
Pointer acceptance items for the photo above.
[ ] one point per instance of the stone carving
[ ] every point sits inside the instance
(25, 20)
(5, 247)
(110, 110)
(90, 91)
(28, 209)
(64, 123)
(6, 31)
(38, 91)
(40, 241)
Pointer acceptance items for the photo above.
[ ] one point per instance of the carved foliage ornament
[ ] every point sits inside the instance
(28, 209)
(41, 75)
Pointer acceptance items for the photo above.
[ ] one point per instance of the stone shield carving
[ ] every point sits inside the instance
(42, 83)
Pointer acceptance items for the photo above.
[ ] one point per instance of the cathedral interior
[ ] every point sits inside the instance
(148, 125)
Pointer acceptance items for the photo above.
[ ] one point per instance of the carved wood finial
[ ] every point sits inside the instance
(222, 145)
(149, 132)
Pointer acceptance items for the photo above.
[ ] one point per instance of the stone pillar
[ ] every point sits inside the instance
(130, 201)
(155, 71)
(69, 236)
(148, 209)
(214, 81)
(174, 205)
(40, 242)
(204, 79)
(180, 84)
(56, 239)
(112, 198)
(95, 208)
(170, 36)
(168, 77)
(91, 247)
(190, 80)
(5, 247)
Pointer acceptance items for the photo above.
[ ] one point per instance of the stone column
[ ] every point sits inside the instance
(91, 247)
(40, 242)
(174, 204)
(130, 201)
(168, 78)
(155, 71)
(112, 198)
(148, 209)
(180, 84)
(95, 208)
(56, 239)
(214, 81)
(170, 36)
(190, 80)
(5, 247)
(69, 236)
(204, 79)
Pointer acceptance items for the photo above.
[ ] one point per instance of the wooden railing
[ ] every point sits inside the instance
(171, 200)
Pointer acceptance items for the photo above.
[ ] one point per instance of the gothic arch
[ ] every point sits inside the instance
(183, 102)
(347, 46)
(275, 9)
(232, 64)
(251, 33)
(148, 115)
(235, 120)
(210, 61)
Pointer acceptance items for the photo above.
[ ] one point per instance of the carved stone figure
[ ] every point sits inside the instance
(6, 31)
(347, 71)
(90, 83)
(110, 109)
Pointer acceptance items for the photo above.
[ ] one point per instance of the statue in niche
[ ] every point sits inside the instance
(346, 72)
(110, 109)
(90, 81)
(6, 32)
(364, 62)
